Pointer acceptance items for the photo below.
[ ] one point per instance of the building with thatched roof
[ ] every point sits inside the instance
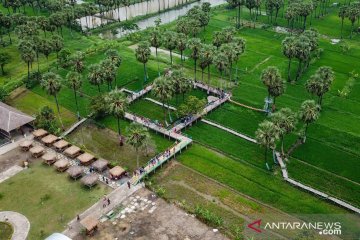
(85, 158)
(89, 180)
(49, 158)
(72, 151)
(75, 172)
(12, 119)
(116, 172)
(49, 139)
(61, 145)
(100, 165)
(62, 165)
(90, 224)
(37, 151)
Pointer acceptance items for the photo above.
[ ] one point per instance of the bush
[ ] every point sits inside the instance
(33, 80)
(208, 217)
(98, 107)
(46, 120)
(3, 93)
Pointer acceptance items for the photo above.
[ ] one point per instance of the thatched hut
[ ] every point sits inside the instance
(72, 151)
(90, 224)
(39, 133)
(49, 139)
(37, 151)
(49, 158)
(116, 172)
(62, 165)
(89, 180)
(100, 165)
(75, 172)
(85, 158)
(61, 145)
(26, 145)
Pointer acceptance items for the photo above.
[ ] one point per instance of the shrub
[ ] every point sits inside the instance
(46, 120)
(208, 217)
(3, 93)
(98, 108)
(33, 80)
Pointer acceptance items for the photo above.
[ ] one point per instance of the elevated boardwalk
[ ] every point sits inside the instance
(136, 95)
(73, 127)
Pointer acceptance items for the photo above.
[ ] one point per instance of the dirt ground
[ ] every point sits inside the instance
(146, 217)
(13, 157)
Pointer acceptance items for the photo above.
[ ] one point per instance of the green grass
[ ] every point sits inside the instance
(6, 231)
(47, 198)
(105, 143)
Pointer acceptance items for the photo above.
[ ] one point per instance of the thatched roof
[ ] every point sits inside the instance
(72, 150)
(49, 139)
(89, 223)
(11, 118)
(89, 180)
(49, 157)
(75, 171)
(117, 171)
(85, 158)
(100, 164)
(36, 149)
(39, 132)
(61, 144)
(26, 143)
(63, 163)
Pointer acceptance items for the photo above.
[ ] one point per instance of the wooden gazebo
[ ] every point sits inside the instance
(72, 151)
(39, 133)
(62, 165)
(26, 145)
(75, 172)
(100, 165)
(49, 158)
(89, 180)
(90, 224)
(49, 139)
(85, 158)
(116, 172)
(37, 151)
(60, 145)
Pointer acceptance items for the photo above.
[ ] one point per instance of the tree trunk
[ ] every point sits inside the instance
(195, 69)
(118, 125)
(171, 60)
(145, 73)
(157, 60)
(289, 66)
(58, 109)
(342, 25)
(76, 102)
(298, 71)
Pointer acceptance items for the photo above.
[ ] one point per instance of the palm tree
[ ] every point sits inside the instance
(28, 55)
(320, 83)
(108, 70)
(78, 61)
(286, 121)
(229, 50)
(142, 53)
(343, 11)
(169, 41)
(181, 44)
(116, 60)
(74, 82)
(221, 62)
(182, 84)
(163, 89)
(266, 135)
(5, 58)
(239, 44)
(57, 43)
(218, 39)
(205, 59)
(137, 137)
(95, 75)
(302, 52)
(288, 49)
(194, 44)
(155, 40)
(309, 113)
(117, 104)
(51, 83)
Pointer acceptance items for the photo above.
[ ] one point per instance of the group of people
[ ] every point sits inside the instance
(106, 202)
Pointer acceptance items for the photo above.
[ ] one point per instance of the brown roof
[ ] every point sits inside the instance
(75, 171)
(36, 149)
(49, 139)
(72, 150)
(89, 180)
(39, 132)
(89, 223)
(62, 163)
(11, 118)
(116, 171)
(26, 143)
(49, 156)
(61, 144)
(100, 164)
(85, 157)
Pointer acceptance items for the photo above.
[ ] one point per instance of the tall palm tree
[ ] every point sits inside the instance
(229, 49)
(142, 53)
(271, 78)
(309, 113)
(181, 44)
(239, 44)
(163, 89)
(108, 70)
(115, 58)
(221, 62)
(137, 137)
(205, 59)
(28, 56)
(169, 41)
(285, 119)
(194, 45)
(95, 75)
(51, 83)
(74, 81)
(155, 40)
(288, 49)
(343, 11)
(117, 104)
(182, 84)
(266, 135)
(302, 52)
(78, 61)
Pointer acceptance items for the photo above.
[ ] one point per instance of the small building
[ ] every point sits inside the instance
(12, 122)
(57, 236)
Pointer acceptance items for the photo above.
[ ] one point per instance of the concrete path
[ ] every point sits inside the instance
(160, 104)
(11, 146)
(10, 172)
(19, 222)
(97, 210)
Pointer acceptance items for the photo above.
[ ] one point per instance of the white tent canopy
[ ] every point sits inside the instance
(11, 118)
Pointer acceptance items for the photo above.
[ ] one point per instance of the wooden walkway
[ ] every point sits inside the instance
(160, 104)
(139, 94)
(73, 127)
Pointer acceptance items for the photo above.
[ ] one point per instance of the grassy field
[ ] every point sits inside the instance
(6, 230)
(105, 143)
(47, 198)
